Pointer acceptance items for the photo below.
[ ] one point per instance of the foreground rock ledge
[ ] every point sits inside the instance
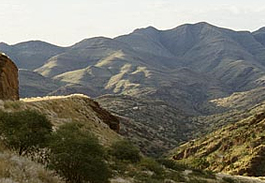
(9, 89)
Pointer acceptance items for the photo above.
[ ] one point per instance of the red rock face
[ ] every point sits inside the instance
(112, 121)
(9, 89)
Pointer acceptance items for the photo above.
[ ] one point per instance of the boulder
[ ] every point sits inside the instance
(9, 89)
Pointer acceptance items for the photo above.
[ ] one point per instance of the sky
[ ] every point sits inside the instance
(65, 22)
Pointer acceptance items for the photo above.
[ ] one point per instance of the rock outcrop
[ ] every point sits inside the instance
(9, 89)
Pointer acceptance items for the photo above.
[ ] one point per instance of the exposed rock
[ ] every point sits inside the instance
(8, 79)
(107, 117)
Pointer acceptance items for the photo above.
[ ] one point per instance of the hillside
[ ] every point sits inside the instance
(148, 123)
(171, 65)
(59, 110)
(72, 108)
(31, 54)
(32, 84)
(20, 169)
(237, 148)
(79, 108)
(181, 76)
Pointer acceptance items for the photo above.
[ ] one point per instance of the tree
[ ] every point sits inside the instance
(125, 150)
(24, 131)
(77, 155)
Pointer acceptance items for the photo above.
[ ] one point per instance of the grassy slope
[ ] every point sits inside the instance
(236, 148)
(80, 108)
(18, 169)
(72, 108)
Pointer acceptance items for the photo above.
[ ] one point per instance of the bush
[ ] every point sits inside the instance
(124, 150)
(200, 163)
(173, 164)
(151, 165)
(24, 131)
(17, 169)
(77, 155)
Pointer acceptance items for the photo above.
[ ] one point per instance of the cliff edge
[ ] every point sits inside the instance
(9, 89)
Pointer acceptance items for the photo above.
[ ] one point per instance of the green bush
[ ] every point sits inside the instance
(173, 164)
(24, 131)
(151, 165)
(124, 150)
(76, 155)
(200, 163)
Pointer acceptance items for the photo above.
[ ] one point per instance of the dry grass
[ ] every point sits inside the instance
(72, 108)
(16, 169)
(36, 99)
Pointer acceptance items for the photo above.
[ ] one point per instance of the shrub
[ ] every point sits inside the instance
(124, 150)
(15, 105)
(173, 164)
(77, 155)
(152, 165)
(17, 169)
(24, 131)
(200, 163)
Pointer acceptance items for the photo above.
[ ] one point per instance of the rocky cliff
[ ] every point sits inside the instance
(8, 79)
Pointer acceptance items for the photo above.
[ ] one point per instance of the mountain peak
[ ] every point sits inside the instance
(199, 25)
(204, 24)
(147, 30)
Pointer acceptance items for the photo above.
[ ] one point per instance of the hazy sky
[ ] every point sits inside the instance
(65, 22)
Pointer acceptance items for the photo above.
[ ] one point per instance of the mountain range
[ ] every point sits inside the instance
(164, 84)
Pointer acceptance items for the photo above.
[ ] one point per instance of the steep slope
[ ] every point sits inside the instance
(80, 108)
(72, 108)
(59, 110)
(146, 40)
(119, 70)
(14, 168)
(185, 68)
(260, 35)
(152, 124)
(229, 110)
(8, 79)
(157, 126)
(31, 54)
(235, 58)
(80, 55)
(241, 100)
(237, 148)
(116, 77)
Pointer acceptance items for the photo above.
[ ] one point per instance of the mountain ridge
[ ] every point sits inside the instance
(185, 67)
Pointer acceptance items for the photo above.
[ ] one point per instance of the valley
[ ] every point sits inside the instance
(197, 89)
